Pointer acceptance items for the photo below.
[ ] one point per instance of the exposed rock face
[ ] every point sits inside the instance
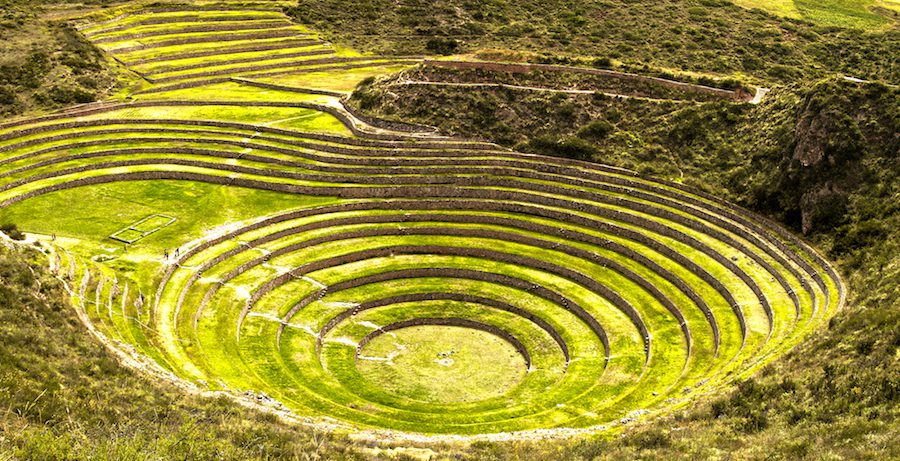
(825, 166)
(842, 130)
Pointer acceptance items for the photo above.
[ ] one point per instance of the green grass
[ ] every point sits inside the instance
(345, 80)
(480, 365)
(91, 214)
(841, 13)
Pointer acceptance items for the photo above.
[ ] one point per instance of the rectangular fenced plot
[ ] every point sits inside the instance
(142, 228)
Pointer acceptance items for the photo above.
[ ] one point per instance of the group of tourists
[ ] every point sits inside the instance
(446, 354)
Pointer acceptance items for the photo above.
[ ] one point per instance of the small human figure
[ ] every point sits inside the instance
(53, 237)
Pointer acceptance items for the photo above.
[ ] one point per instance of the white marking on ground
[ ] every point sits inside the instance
(389, 360)
(273, 318)
(281, 269)
(369, 324)
(303, 327)
(341, 304)
(342, 340)
(314, 281)
(376, 359)
(500, 85)
(275, 122)
(240, 290)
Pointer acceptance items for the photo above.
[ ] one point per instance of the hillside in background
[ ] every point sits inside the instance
(45, 63)
(707, 36)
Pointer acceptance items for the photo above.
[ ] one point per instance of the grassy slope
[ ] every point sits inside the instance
(864, 14)
(66, 397)
(45, 63)
(710, 36)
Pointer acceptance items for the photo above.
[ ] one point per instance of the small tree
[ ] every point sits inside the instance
(12, 231)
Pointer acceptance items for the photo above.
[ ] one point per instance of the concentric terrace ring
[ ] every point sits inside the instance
(614, 292)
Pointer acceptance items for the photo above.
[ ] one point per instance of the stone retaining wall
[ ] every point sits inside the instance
(614, 214)
(392, 62)
(466, 274)
(168, 20)
(284, 44)
(190, 29)
(526, 68)
(504, 236)
(331, 191)
(293, 89)
(268, 57)
(299, 105)
(366, 140)
(441, 296)
(263, 67)
(746, 235)
(212, 39)
(362, 255)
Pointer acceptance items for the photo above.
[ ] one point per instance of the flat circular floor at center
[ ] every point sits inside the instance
(442, 364)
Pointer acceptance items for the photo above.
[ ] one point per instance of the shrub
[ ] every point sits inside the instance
(572, 147)
(602, 63)
(7, 96)
(440, 45)
(366, 81)
(366, 99)
(596, 130)
(12, 231)
(69, 95)
(649, 439)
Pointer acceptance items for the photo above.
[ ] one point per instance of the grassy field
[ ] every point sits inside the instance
(442, 364)
(862, 14)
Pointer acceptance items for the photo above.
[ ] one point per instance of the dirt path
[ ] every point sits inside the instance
(760, 93)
